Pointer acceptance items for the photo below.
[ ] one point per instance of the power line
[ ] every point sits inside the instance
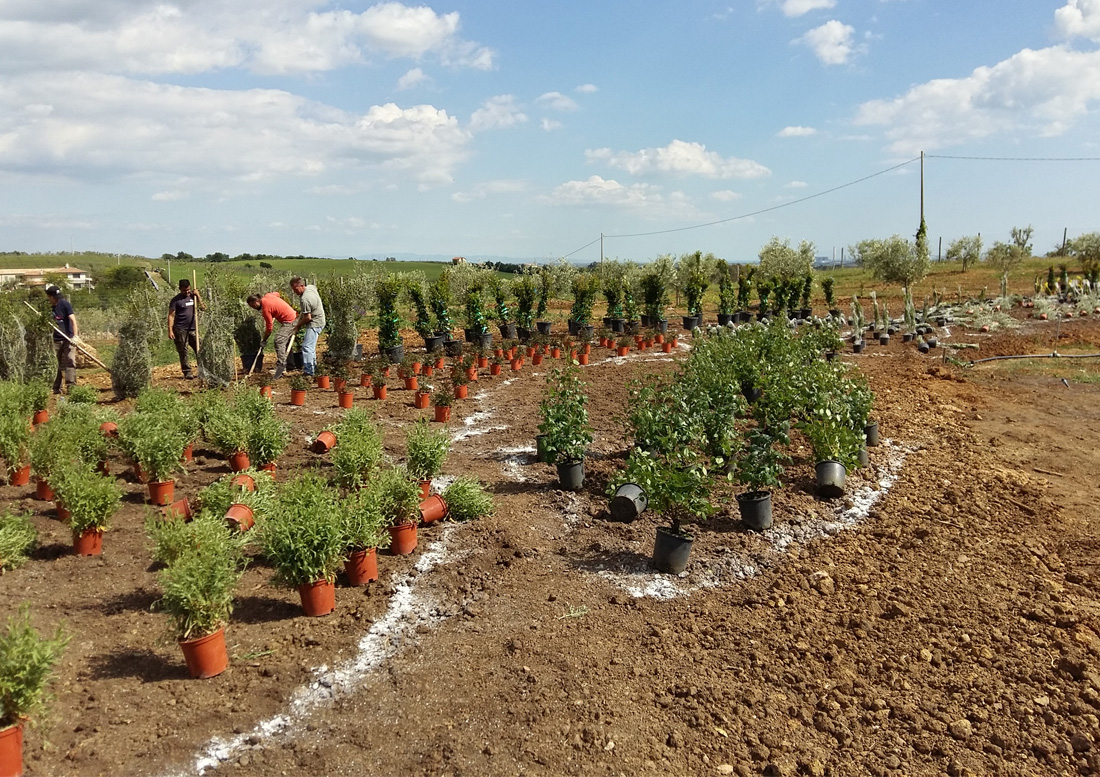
(1017, 158)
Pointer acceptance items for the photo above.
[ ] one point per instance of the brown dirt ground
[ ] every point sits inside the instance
(956, 630)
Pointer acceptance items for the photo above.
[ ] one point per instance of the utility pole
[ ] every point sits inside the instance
(1065, 233)
(601, 247)
(922, 187)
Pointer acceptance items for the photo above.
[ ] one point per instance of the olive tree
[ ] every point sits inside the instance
(1086, 249)
(966, 249)
(779, 261)
(894, 260)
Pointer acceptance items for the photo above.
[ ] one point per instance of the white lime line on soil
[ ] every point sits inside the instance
(513, 461)
(638, 579)
(408, 609)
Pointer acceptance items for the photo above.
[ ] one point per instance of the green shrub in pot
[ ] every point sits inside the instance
(38, 394)
(198, 583)
(15, 438)
(303, 538)
(17, 539)
(155, 442)
(829, 430)
(467, 499)
(427, 449)
(398, 496)
(268, 438)
(226, 429)
(27, 660)
(758, 464)
(362, 525)
(565, 429)
(359, 449)
(91, 498)
(677, 486)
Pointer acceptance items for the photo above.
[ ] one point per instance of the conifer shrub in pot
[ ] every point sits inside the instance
(426, 450)
(302, 539)
(197, 586)
(758, 465)
(565, 431)
(363, 531)
(91, 499)
(398, 498)
(27, 660)
(359, 453)
(860, 401)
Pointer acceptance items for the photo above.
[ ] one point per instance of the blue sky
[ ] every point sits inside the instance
(527, 130)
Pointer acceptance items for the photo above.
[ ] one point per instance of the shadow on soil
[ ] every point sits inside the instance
(136, 662)
(263, 609)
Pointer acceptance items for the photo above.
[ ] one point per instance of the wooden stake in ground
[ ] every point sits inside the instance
(72, 342)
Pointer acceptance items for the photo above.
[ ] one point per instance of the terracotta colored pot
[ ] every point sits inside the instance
(181, 508)
(340, 384)
(517, 365)
(494, 369)
(482, 362)
(318, 598)
(161, 492)
(461, 392)
(432, 508)
(412, 383)
(265, 391)
(298, 397)
(11, 751)
(206, 656)
(63, 513)
(586, 348)
(40, 417)
(442, 413)
(422, 400)
(241, 516)
(322, 381)
(269, 467)
(536, 359)
(380, 391)
(441, 362)
(104, 467)
(425, 488)
(414, 368)
(530, 351)
(582, 358)
(498, 352)
(88, 543)
(402, 539)
(20, 477)
(42, 490)
(140, 475)
(188, 453)
(555, 353)
(427, 370)
(239, 461)
(361, 567)
(675, 342)
(622, 350)
(659, 338)
(365, 379)
(666, 347)
(346, 399)
(108, 429)
(326, 440)
(247, 482)
(385, 372)
(472, 374)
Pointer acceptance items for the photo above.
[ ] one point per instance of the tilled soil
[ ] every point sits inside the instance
(945, 618)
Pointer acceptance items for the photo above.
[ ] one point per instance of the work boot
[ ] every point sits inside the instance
(279, 370)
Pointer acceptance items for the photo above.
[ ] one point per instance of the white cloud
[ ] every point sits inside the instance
(679, 158)
(549, 125)
(194, 36)
(796, 132)
(1079, 19)
(488, 188)
(411, 78)
(831, 42)
(795, 185)
(556, 101)
(792, 8)
(587, 89)
(497, 113)
(597, 190)
(171, 195)
(110, 127)
(1036, 92)
(725, 195)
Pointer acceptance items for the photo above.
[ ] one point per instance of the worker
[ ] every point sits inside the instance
(273, 307)
(65, 322)
(183, 324)
(312, 318)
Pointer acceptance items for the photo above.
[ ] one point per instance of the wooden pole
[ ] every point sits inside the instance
(72, 342)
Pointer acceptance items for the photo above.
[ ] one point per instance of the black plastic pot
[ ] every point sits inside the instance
(607, 320)
(246, 361)
(870, 432)
(864, 458)
(830, 478)
(571, 474)
(485, 340)
(523, 334)
(543, 327)
(508, 331)
(671, 550)
(857, 347)
(761, 315)
(631, 327)
(725, 318)
(689, 322)
(293, 360)
(805, 313)
(574, 327)
(756, 509)
(750, 392)
(662, 325)
(834, 312)
(884, 339)
(617, 325)
(647, 320)
(470, 335)
(923, 347)
(931, 341)
(432, 342)
(452, 347)
(907, 337)
(629, 502)
(541, 453)
(395, 354)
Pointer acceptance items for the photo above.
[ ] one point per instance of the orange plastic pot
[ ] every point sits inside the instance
(104, 467)
(440, 363)
(318, 598)
(269, 467)
(666, 347)
(206, 656)
(239, 461)
(298, 397)
(361, 567)
(498, 352)
(365, 379)
(340, 384)
(461, 392)
(622, 350)
(325, 441)
(140, 475)
(161, 492)
(346, 399)
(380, 391)
(425, 488)
(659, 338)
(482, 362)
(11, 751)
(265, 391)
(181, 508)
(414, 368)
(536, 359)
(40, 417)
(582, 358)
(20, 477)
(586, 348)
(530, 351)
(241, 516)
(432, 508)
(322, 381)
(555, 353)
(442, 413)
(494, 369)
(63, 513)
(412, 383)
(42, 490)
(402, 539)
(385, 372)
(472, 374)
(88, 542)
(108, 429)
(427, 370)
(422, 400)
(188, 453)
(247, 482)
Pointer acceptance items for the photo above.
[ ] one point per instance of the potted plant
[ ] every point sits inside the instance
(727, 294)
(622, 345)
(758, 465)
(157, 447)
(564, 426)
(827, 288)
(835, 444)
(15, 437)
(585, 288)
(441, 401)
(398, 498)
(298, 386)
(360, 450)
(303, 540)
(17, 539)
(655, 296)
(476, 324)
(387, 291)
(27, 660)
(268, 437)
(228, 430)
(321, 375)
(265, 382)
(466, 499)
(807, 292)
(859, 324)
(363, 532)
(500, 288)
(460, 378)
(526, 292)
(91, 500)
(197, 589)
(38, 394)
(423, 324)
(426, 450)
(744, 295)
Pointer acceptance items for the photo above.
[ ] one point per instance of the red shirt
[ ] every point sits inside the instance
(274, 306)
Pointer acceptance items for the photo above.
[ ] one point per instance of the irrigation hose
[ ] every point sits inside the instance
(1053, 355)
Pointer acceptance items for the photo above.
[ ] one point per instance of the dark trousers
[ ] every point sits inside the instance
(66, 365)
(183, 338)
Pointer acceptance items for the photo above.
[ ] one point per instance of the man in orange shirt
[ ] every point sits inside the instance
(272, 306)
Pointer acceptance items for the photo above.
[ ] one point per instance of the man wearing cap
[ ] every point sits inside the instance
(312, 318)
(65, 321)
(273, 306)
(182, 325)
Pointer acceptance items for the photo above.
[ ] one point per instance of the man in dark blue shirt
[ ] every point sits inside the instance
(65, 320)
(182, 324)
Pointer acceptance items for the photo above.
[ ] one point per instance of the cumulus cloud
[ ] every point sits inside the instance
(597, 190)
(195, 36)
(497, 113)
(792, 8)
(587, 89)
(489, 188)
(831, 42)
(1079, 19)
(795, 185)
(549, 125)
(725, 195)
(796, 132)
(103, 126)
(556, 101)
(678, 158)
(411, 78)
(1040, 92)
